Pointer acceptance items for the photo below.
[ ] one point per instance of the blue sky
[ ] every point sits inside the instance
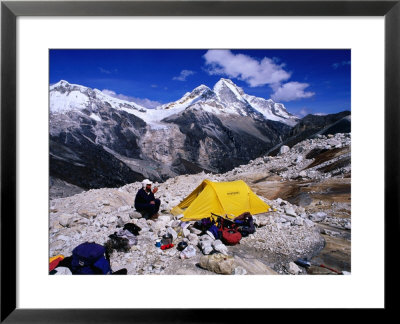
(305, 81)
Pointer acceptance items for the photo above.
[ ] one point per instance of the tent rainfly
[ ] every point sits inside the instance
(221, 198)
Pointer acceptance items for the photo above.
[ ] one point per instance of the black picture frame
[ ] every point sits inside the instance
(10, 10)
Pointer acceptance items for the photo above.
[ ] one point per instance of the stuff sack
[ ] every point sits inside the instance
(229, 233)
(88, 258)
(230, 236)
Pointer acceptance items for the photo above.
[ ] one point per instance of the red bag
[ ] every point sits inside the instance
(229, 235)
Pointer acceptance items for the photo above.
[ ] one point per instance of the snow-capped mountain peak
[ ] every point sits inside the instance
(226, 90)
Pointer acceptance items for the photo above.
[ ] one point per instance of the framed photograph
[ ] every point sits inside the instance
(65, 63)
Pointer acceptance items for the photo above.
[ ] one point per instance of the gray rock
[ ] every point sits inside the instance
(290, 211)
(240, 271)
(303, 174)
(309, 223)
(219, 247)
(293, 269)
(284, 149)
(194, 230)
(135, 215)
(186, 232)
(299, 221)
(318, 217)
(299, 159)
(124, 208)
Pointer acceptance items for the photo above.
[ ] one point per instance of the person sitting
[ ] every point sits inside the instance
(145, 202)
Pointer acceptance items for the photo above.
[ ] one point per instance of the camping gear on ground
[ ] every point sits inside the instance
(188, 252)
(128, 235)
(306, 264)
(228, 232)
(303, 263)
(166, 239)
(205, 244)
(66, 262)
(214, 231)
(230, 236)
(166, 246)
(158, 243)
(133, 228)
(222, 198)
(245, 224)
(117, 243)
(181, 246)
(54, 261)
(218, 263)
(89, 258)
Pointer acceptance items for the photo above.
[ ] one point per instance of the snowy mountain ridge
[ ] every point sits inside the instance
(225, 98)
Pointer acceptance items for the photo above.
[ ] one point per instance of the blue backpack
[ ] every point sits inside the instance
(88, 258)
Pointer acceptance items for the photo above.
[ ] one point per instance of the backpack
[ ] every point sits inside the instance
(88, 258)
(245, 224)
(229, 233)
(214, 231)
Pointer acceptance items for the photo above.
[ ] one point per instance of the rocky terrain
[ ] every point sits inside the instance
(308, 186)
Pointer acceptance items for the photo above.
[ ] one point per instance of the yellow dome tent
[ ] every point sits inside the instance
(221, 198)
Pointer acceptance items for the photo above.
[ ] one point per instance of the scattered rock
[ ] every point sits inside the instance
(293, 269)
(219, 247)
(318, 217)
(284, 149)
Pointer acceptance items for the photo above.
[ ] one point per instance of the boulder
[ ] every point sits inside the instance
(309, 223)
(298, 221)
(293, 268)
(290, 211)
(135, 215)
(164, 218)
(284, 149)
(303, 174)
(186, 232)
(218, 263)
(318, 217)
(194, 230)
(219, 247)
(65, 220)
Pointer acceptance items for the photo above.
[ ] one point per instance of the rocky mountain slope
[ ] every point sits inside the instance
(100, 141)
(308, 185)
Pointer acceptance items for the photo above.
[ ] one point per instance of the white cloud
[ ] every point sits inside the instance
(243, 67)
(147, 103)
(291, 91)
(184, 74)
(304, 111)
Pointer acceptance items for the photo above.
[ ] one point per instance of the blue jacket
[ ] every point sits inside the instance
(142, 200)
